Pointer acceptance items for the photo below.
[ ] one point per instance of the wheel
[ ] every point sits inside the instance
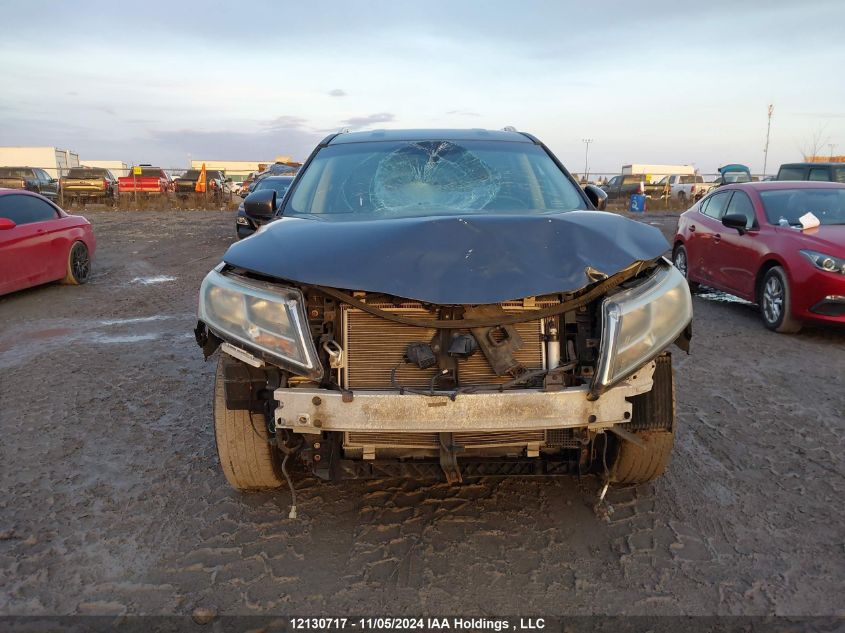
(775, 302)
(681, 261)
(653, 422)
(248, 460)
(78, 264)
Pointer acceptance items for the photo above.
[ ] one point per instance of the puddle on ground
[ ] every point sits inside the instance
(157, 317)
(158, 279)
(124, 338)
(721, 297)
(40, 335)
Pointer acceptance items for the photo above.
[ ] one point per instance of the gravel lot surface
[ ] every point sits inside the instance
(113, 501)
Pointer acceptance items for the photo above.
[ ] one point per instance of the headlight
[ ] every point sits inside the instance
(639, 323)
(266, 317)
(828, 263)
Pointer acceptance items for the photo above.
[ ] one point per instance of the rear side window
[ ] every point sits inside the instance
(819, 174)
(741, 205)
(715, 205)
(26, 209)
(791, 173)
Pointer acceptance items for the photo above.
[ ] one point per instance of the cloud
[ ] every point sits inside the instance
(362, 121)
(337, 92)
(228, 145)
(286, 122)
(463, 113)
(821, 115)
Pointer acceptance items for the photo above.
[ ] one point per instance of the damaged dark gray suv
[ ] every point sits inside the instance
(442, 303)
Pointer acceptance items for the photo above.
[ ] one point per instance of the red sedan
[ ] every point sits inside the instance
(40, 243)
(748, 240)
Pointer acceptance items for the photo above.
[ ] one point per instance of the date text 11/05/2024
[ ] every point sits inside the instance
(419, 624)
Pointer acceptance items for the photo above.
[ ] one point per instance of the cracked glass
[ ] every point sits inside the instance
(385, 179)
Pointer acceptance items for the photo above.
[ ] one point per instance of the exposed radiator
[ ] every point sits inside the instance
(431, 441)
(374, 346)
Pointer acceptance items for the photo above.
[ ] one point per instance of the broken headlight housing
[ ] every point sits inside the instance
(639, 323)
(264, 317)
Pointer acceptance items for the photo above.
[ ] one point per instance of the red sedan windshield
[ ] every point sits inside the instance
(786, 206)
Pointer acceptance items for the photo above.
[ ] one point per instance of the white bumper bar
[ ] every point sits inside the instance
(317, 410)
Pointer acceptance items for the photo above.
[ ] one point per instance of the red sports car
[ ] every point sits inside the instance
(40, 243)
(753, 240)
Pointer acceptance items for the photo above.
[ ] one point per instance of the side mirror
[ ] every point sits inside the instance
(6, 224)
(597, 196)
(735, 221)
(260, 206)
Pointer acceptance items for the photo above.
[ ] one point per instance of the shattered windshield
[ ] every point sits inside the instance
(440, 177)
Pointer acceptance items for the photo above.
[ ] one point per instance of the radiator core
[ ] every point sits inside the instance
(374, 346)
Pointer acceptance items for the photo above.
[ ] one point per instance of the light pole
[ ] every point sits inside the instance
(831, 146)
(587, 142)
(768, 130)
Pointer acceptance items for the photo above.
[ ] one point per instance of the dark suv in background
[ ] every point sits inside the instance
(823, 172)
(31, 179)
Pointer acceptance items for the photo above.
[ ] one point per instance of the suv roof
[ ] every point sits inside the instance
(476, 134)
(828, 164)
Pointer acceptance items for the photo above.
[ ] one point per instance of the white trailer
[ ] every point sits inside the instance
(53, 160)
(653, 173)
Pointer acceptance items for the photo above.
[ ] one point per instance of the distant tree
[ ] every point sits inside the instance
(815, 142)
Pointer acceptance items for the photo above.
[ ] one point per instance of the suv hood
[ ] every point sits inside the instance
(475, 259)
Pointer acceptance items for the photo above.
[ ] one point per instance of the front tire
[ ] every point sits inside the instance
(775, 300)
(78, 265)
(248, 460)
(654, 422)
(680, 259)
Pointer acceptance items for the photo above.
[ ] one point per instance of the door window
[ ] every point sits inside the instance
(715, 205)
(741, 204)
(819, 174)
(26, 209)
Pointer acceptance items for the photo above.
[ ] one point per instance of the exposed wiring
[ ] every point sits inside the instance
(288, 452)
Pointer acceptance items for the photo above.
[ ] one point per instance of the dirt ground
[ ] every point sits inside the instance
(112, 500)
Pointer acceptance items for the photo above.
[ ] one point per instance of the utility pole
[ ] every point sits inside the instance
(587, 142)
(766, 148)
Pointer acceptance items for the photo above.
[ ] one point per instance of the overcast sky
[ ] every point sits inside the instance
(651, 82)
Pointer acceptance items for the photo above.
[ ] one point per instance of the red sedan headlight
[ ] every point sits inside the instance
(827, 263)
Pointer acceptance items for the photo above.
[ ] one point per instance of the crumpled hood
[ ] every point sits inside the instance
(472, 259)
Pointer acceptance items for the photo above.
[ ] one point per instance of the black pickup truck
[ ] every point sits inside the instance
(31, 179)
(218, 186)
(623, 187)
